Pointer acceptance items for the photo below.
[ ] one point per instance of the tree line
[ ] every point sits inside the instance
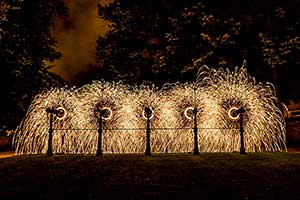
(158, 41)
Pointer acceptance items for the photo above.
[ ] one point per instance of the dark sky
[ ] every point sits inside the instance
(77, 34)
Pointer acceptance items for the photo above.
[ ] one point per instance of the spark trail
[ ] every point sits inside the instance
(216, 93)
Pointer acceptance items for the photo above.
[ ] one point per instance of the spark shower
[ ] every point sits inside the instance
(216, 94)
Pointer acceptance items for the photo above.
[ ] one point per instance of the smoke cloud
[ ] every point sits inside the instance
(77, 34)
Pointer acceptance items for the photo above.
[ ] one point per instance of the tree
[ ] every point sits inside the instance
(131, 48)
(199, 37)
(26, 44)
(163, 44)
(269, 40)
(280, 47)
(169, 42)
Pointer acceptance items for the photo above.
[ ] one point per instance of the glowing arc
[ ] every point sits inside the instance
(186, 113)
(64, 111)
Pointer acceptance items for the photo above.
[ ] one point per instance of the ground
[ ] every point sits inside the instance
(161, 176)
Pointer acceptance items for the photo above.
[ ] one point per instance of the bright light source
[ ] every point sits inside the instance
(233, 113)
(186, 112)
(104, 109)
(61, 114)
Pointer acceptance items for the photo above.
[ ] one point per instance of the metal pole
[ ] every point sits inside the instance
(148, 147)
(196, 148)
(99, 148)
(49, 150)
(242, 148)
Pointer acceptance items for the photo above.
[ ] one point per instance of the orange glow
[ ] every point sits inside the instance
(77, 34)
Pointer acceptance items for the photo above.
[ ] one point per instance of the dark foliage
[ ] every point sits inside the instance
(166, 41)
(26, 44)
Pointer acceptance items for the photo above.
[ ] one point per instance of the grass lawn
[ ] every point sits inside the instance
(161, 176)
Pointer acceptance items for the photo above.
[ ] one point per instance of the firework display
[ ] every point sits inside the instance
(217, 95)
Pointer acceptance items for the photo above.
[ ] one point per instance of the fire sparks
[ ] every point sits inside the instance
(216, 94)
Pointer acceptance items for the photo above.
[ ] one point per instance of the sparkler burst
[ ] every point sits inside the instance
(216, 94)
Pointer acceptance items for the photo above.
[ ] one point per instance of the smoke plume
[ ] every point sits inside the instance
(77, 33)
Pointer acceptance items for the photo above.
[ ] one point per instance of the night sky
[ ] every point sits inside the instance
(77, 39)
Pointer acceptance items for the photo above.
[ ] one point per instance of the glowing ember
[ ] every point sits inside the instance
(217, 94)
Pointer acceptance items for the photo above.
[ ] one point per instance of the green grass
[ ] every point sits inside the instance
(181, 176)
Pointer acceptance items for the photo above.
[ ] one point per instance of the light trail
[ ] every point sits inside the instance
(219, 92)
